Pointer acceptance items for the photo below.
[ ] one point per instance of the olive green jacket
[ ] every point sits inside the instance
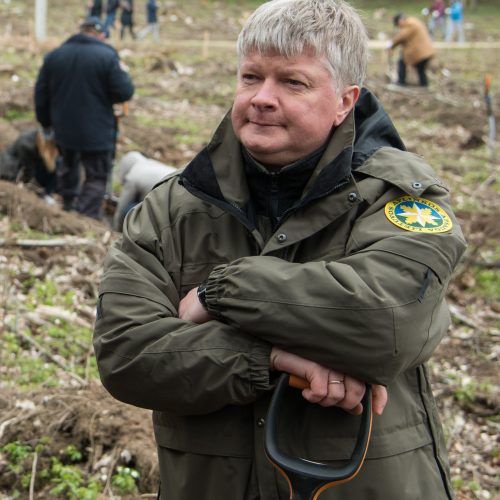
(337, 283)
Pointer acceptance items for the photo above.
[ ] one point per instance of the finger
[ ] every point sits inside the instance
(317, 390)
(335, 390)
(354, 392)
(312, 397)
(356, 411)
(334, 396)
(379, 398)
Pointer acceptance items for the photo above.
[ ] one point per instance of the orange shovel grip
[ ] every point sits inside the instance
(298, 382)
(487, 82)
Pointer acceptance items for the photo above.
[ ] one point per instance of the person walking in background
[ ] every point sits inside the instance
(76, 88)
(274, 250)
(109, 22)
(137, 175)
(437, 18)
(127, 18)
(152, 19)
(95, 8)
(417, 48)
(455, 22)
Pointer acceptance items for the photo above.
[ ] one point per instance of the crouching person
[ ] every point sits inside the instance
(137, 175)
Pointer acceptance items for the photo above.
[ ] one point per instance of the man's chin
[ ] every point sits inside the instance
(259, 151)
(260, 144)
(267, 157)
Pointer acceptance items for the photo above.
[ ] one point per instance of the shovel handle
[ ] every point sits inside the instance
(298, 382)
(487, 97)
(487, 83)
(307, 479)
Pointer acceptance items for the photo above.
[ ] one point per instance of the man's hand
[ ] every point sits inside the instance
(328, 387)
(190, 308)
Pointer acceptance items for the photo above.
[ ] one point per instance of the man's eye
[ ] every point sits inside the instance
(295, 83)
(248, 77)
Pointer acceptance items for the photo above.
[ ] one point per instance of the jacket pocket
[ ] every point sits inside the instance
(227, 432)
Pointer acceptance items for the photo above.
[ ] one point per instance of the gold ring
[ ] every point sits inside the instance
(335, 381)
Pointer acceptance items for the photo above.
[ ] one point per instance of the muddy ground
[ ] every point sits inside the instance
(182, 93)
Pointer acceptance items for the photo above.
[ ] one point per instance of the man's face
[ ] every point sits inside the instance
(285, 108)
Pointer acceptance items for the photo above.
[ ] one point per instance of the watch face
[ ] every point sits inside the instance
(202, 294)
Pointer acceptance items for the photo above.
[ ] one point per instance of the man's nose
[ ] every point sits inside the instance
(266, 95)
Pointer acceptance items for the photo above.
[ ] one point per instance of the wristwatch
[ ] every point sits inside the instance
(202, 292)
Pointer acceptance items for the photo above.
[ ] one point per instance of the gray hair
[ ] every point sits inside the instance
(332, 29)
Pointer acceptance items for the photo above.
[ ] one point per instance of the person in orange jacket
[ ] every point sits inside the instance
(417, 47)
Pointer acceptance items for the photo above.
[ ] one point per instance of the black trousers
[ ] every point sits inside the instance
(84, 193)
(420, 67)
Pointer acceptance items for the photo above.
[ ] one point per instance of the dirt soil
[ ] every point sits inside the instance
(80, 414)
(108, 431)
(446, 125)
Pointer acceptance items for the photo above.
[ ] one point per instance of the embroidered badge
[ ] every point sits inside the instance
(418, 215)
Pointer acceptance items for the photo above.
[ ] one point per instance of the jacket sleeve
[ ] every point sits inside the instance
(374, 313)
(150, 358)
(42, 97)
(402, 36)
(121, 88)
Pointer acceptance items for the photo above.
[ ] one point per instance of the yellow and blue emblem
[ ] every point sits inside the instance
(418, 215)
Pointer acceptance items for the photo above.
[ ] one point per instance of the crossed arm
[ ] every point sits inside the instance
(324, 388)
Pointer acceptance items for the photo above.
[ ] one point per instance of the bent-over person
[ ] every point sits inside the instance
(137, 175)
(416, 47)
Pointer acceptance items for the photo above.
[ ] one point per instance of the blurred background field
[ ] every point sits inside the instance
(61, 436)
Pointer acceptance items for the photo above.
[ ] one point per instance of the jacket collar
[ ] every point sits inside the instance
(374, 129)
(85, 39)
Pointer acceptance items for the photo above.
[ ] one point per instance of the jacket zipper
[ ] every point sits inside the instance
(274, 206)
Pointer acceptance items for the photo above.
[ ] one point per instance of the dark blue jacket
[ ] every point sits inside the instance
(151, 9)
(75, 91)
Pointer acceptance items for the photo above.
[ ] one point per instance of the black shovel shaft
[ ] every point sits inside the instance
(306, 479)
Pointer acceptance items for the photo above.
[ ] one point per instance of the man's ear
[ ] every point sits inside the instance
(346, 102)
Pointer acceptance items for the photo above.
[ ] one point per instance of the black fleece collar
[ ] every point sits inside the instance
(273, 193)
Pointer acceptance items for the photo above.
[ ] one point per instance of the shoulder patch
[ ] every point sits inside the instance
(418, 215)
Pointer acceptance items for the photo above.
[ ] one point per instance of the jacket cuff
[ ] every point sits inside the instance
(213, 290)
(260, 374)
(260, 355)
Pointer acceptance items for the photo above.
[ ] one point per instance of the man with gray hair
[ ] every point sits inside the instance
(303, 239)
